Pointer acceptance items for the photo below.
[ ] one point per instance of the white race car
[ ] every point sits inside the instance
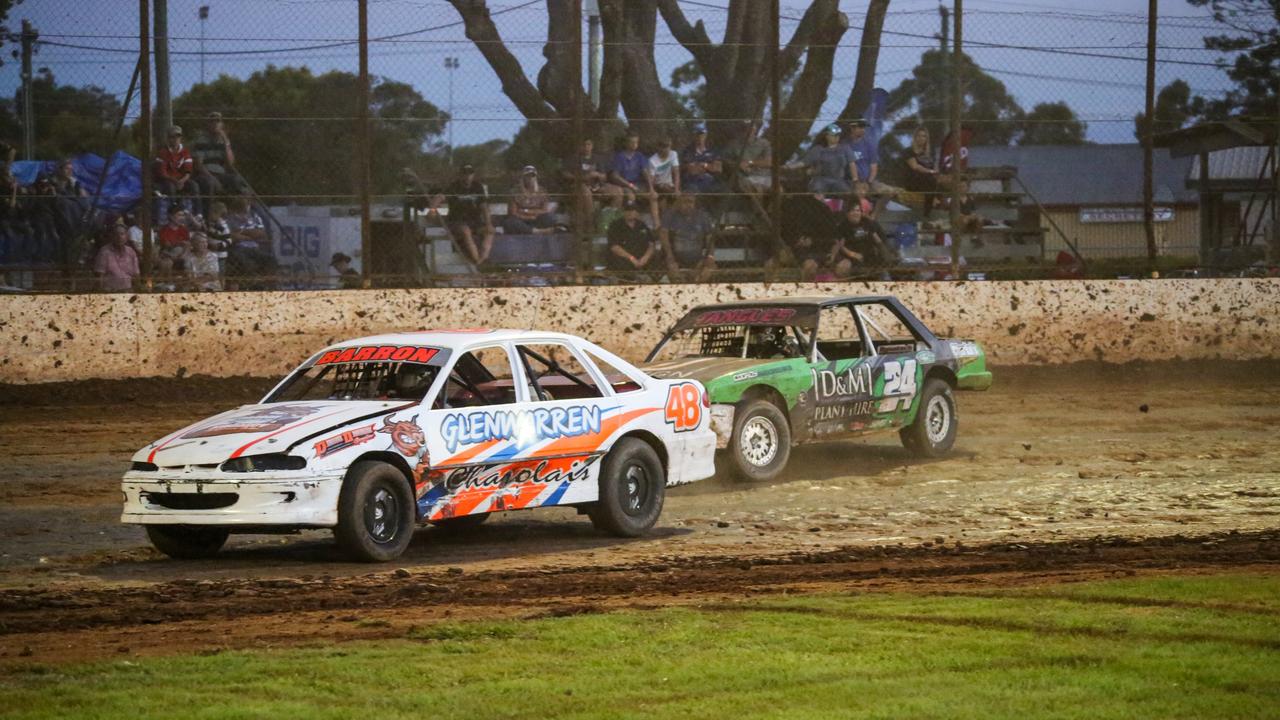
(372, 435)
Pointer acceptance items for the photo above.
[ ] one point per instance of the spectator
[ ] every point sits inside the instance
(861, 246)
(203, 271)
(348, 278)
(629, 165)
(702, 164)
(217, 230)
(175, 240)
(215, 163)
(663, 170)
(631, 242)
(970, 220)
(250, 252)
(14, 230)
(809, 231)
(116, 263)
(174, 166)
(611, 210)
(860, 197)
(529, 211)
(65, 182)
(685, 236)
(68, 210)
(586, 167)
(135, 232)
(866, 156)
(469, 215)
(829, 164)
(752, 159)
(922, 171)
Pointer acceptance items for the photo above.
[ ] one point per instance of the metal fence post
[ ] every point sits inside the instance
(775, 126)
(362, 133)
(957, 105)
(581, 206)
(148, 139)
(1148, 136)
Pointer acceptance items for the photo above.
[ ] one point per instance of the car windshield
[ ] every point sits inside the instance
(336, 375)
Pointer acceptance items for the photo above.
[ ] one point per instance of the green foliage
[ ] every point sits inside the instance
(69, 120)
(1252, 35)
(1184, 647)
(989, 109)
(1174, 107)
(294, 132)
(1052, 123)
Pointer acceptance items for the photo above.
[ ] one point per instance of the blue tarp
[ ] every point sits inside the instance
(120, 191)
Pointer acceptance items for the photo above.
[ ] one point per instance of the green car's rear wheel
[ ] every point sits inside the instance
(934, 431)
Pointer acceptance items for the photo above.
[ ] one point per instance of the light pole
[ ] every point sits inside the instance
(203, 15)
(451, 64)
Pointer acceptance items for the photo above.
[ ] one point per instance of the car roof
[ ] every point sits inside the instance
(800, 300)
(453, 339)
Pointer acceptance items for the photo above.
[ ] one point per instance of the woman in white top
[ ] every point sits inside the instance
(663, 172)
(202, 264)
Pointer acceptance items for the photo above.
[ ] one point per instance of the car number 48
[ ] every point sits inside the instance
(684, 407)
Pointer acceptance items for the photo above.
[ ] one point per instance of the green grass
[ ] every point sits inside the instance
(1142, 648)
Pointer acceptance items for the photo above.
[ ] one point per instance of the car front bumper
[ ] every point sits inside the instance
(286, 499)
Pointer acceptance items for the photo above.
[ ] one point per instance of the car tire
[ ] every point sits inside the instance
(761, 441)
(375, 513)
(934, 431)
(633, 486)
(187, 542)
(460, 524)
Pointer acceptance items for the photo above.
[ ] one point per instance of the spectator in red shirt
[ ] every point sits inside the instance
(174, 169)
(175, 240)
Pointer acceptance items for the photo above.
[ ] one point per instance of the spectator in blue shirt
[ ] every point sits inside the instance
(830, 164)
(629, 166)
(701, 165)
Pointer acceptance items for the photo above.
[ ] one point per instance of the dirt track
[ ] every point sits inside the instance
(1048, 459)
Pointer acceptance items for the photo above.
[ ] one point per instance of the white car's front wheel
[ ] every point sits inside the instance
(187, 542)
(375, 512)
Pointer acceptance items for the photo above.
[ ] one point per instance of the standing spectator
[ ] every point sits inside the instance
(175, 240)
(174, 166)
(629, 165)
(348, 278)
(631, 242)
(861, 245)
(250, 253)
(586, 167)
(663, 171)
(116, 263)
(529, 211)
(685, 236)
(203, 271)
(922, 171)
(829, 164)
(215, 162)
(702, 164)
(468, 201)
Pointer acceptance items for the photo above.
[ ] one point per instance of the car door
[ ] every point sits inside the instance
(841, 394)
(474, 428)
(890, 346)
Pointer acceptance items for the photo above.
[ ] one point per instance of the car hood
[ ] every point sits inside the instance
(702, 369)
(258, 429)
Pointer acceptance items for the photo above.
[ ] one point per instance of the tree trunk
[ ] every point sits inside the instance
(868, 55)
(484, 35)
(810, 89)
(643, 98)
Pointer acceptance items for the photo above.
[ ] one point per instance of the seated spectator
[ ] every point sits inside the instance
(861, 198)
(685, 236)
(175, 241)
(632, 245)
(215, 163)
(203, 272)
(752, 160)
(65, 182)
(702, 165)
(808, 231)
(116, 263)
(14, 230)
(593, 172)
(348, 278)
(970, 220)
(663, 170)
(922, 172)
(629, 165)
(860, 247)
(468, 202)
(611, 210)
(217, 229)
(174, 168)
(135, 232)
(529, 211)
(829, 164)
(250, 252)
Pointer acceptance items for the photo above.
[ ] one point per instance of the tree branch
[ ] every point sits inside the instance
(555, 80)
(694, 38)
(868, 55)
(817, 15)
(481, 31)
(810, 90)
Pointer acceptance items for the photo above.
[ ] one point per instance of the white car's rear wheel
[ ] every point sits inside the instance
(632, 489)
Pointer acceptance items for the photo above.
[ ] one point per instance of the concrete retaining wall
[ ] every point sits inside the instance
(74, 337)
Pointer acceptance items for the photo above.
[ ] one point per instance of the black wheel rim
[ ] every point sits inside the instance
(637, 489)
(381, 516)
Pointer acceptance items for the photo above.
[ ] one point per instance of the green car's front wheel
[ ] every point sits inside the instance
(761, 442)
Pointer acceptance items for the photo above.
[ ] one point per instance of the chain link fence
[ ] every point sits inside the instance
(572, 141)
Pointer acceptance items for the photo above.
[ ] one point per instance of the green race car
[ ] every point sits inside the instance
(809, 369)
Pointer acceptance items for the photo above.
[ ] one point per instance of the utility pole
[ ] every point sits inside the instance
(362, 134)
(581, 250)
(29, 36)
(163, 108)
(204, 17)
(148, 138)
(1148, 141)
(451, 64)
(944, 45)
(957, 156)
(775, 126)
(594, 55)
